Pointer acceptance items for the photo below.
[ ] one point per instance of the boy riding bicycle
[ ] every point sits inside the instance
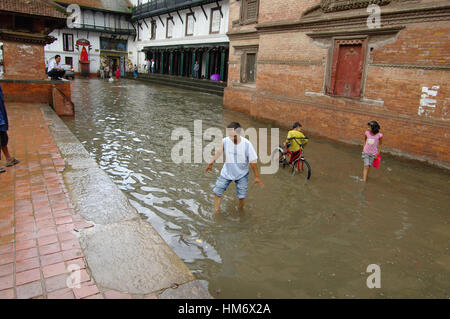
(295, 139)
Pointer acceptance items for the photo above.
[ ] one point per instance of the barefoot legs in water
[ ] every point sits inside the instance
(241, 203)
(365, 173)
(218, 199)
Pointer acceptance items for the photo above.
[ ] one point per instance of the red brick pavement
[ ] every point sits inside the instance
(37, 241)
(38, 246)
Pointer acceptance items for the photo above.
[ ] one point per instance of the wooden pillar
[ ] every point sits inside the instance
(222, 64)
(162, 63)
(171, 63)
(207, 65)
(193, 62)
(182, 64)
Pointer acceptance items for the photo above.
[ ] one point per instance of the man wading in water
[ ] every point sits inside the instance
(239, 152)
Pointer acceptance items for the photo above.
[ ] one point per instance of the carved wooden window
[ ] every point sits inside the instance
(153, 31)
(249, 11)
(347, 68)
(248, 66)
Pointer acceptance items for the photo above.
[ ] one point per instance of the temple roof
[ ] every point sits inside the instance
(45, 8)
(123, 6)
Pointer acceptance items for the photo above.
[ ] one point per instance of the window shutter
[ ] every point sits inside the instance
(252, 10)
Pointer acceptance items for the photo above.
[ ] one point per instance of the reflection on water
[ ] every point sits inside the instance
(295, 239)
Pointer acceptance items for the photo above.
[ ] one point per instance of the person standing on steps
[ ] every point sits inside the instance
(196, 69)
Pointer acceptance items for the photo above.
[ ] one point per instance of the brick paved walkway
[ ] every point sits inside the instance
(37, 222)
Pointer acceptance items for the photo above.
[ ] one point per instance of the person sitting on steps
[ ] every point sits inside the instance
(55, 70)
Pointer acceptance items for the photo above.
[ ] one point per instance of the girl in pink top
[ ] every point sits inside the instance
(373, 138)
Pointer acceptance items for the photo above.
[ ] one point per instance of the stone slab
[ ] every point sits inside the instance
(131, 257)
(122, 251)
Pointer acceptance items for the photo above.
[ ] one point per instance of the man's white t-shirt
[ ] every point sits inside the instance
(237, 158)
(52, 64)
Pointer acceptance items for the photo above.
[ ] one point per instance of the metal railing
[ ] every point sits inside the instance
(155, 7)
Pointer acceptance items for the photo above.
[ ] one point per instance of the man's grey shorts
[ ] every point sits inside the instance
(241, 186)
(368, 158)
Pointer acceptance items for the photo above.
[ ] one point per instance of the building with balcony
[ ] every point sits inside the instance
(102, 30)
(177, 33)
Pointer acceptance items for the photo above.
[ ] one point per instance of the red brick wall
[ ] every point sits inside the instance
(292, 67)
(28, 92)
(23, 61)
(285, 10)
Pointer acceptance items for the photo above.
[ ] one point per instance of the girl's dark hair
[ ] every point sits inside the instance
(375, 127)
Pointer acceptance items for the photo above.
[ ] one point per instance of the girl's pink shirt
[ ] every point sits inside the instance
(371, 146)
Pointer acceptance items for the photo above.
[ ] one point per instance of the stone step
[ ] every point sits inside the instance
(184, 86)
(186, 83)
(182, 79)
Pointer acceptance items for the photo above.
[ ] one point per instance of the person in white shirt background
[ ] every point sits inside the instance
(55, 70)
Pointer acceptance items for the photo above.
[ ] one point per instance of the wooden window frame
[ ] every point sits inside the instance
(243, 13)
(152, 31)
(243, 71)
(211, 23)
(65, 60)
(187, 22)
(169, 20)
(333, 59)
(65, 35)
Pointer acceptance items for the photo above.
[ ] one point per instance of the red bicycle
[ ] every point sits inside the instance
(294, 159)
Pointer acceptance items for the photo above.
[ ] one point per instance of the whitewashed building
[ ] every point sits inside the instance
(176, 33)
(102, 29)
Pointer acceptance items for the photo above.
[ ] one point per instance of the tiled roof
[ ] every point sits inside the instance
(34, 7)
(123, 6)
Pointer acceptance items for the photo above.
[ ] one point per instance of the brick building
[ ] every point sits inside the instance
(329, 65)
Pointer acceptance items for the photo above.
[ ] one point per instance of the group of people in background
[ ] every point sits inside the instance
(149, 66)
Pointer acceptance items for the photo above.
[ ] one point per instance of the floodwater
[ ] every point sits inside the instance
(295, 238)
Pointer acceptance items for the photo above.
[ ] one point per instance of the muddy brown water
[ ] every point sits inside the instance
(295, 238)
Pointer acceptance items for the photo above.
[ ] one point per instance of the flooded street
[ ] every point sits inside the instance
(295, 239)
